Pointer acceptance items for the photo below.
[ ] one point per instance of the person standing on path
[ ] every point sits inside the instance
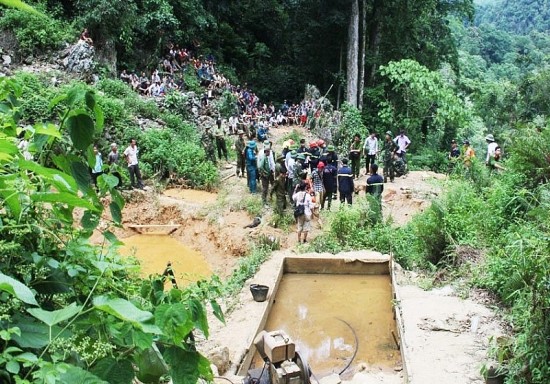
(388, 152)
(97, 170)
(318, 186)
(207, 141)
(131, 156)
(251, 165)
(375, 187)
(113, 163)
(303, 222)
(265, 171)
(279, 186)
(345, 183)
(220, 140)
(240, 147)
(355, 155)
(370, 150)
(403, 143)
(329, 182)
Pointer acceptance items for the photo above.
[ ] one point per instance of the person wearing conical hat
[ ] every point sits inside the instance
(491, 147)
(240, 146)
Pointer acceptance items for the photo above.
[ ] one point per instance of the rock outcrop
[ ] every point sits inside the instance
(79, 58)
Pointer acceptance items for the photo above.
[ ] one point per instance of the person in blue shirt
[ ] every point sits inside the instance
(345, 183)
(97, 170)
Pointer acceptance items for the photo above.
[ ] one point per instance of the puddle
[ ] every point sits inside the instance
(155, 251)
(314, 309)
(191, 195)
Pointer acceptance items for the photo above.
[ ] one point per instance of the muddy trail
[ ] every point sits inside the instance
(203, 233)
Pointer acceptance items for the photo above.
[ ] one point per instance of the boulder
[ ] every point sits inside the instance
(220, 358)
(80, 58)
(6, 60)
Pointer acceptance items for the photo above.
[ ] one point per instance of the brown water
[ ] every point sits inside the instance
(155, 251)
(191, 195)
(312, 310)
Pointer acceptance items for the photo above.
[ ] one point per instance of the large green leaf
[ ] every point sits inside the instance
(52, 318)
(89, 220)
(81, 174)
(63, 197)
(151, 365)
(76, 375)
(175, 321)
(113, 371)
(34, 334)
(187, 367)
(116, 212)
(61, 181)
(47, 129)
(198, 312)
(17, 289)
(125, 310)
(81, 130)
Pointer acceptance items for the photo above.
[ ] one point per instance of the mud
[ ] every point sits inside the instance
(191, 195)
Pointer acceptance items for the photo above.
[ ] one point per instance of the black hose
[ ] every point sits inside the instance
(356, 346)
(223, 378)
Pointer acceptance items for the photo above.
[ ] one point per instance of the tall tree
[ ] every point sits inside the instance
(353, 54)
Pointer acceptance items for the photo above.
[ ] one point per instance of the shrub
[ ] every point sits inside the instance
(115, 88)
(35, 33)
(192, 82)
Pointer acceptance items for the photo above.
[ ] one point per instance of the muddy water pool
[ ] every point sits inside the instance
(320, 311)
(154, 251)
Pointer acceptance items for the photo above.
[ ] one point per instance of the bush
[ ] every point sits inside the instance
(192, 82)
(115, 88)
(36, 34)
(176, 103)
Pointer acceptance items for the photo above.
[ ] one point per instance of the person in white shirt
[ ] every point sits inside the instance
(301, 197)
(370, 150)
(403, 143)
(130, 154)
(491, 147)
(233, 121)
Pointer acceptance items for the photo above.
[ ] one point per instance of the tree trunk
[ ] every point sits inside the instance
(374, 40)
(353, 53)
(363, 54)
(340, 79)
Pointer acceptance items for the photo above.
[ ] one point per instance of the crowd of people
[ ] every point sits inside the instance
(493, 157)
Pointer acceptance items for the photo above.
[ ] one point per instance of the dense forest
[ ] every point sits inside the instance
(442, 70)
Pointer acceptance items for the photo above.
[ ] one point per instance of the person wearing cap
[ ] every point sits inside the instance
(375, 187)
(370, 150)
(240, 146)
(112, 160)
(355, 155)
(251, 165)
(314, 155)
(298, 174)
(403, 143)
(207, 141)
(317, 178)
(388, 152)
(345, 183)
(468, 153)
(279, 186)
(491, 147)
(329, 183)
(331, 158)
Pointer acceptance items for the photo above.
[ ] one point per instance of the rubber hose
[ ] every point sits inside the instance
(356, 346)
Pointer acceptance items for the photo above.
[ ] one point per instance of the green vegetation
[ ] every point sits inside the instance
(73, 311)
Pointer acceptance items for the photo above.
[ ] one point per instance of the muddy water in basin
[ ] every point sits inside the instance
(322, 312)
(155, 251)
(191, 195)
